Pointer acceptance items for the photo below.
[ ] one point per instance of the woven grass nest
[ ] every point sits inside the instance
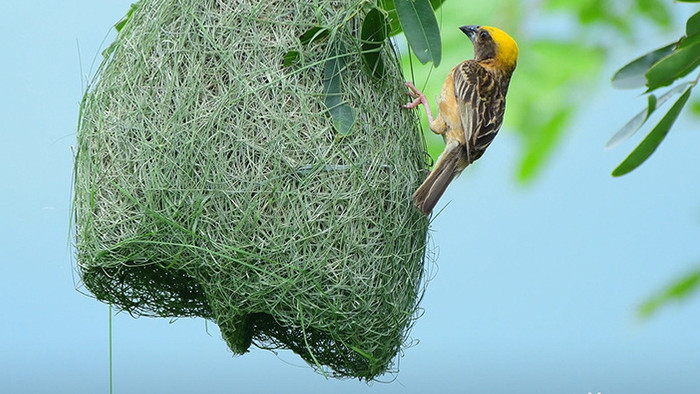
(210, 181)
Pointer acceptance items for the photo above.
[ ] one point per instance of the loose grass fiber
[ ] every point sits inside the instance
(209, 181)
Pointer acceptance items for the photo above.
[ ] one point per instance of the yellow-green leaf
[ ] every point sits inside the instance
(120, 25)
(695, 107)
(676, 291)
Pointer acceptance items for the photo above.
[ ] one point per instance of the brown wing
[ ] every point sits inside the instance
(482, 103)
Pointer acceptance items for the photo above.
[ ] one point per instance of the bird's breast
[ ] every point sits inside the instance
(449, 111)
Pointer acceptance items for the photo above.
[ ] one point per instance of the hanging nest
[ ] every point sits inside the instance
(210, 181)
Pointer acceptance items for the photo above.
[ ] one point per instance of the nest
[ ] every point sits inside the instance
(210, 182)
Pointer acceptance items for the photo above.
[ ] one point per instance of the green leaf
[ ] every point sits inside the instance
(290, 58)
(108, 51)
(651, 105)
(421, 28)
(631, 76)
(120, 25)
(342, 114)
(373, 36)
(634, 124)
(652, 141)
(436, 3)
(390, 9)
(692, 26)
(316, 33)
(674, 66)
(678, 290)
(689, 41)
(688, 1)
(344, 117)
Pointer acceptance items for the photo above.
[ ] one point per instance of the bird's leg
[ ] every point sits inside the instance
(418, 99)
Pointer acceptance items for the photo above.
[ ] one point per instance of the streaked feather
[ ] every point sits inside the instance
(481, 97)
(446, 168)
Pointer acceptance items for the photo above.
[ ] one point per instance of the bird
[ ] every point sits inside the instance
(470, 108)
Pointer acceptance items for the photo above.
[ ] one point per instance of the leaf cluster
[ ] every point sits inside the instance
(665, 66)
(659, 68)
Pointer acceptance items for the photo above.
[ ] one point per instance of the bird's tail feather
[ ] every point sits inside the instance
(437, 181)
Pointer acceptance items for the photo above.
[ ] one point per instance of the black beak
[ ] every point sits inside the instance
(470, 31)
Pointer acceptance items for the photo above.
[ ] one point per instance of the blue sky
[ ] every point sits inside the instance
(534, 288)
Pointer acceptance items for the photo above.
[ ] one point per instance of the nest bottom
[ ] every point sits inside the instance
(154, 290)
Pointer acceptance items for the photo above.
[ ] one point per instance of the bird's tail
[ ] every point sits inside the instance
(446, 168)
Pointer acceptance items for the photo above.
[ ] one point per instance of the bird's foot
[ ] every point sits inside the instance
(419, 98)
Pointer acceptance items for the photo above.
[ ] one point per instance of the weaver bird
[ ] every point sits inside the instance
(471, 108)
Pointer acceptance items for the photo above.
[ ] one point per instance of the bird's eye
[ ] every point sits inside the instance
(484, 34)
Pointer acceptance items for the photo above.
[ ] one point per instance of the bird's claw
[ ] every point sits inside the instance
(419, 98)
(413, 104)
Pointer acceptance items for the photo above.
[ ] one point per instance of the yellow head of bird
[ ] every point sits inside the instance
(493, 43)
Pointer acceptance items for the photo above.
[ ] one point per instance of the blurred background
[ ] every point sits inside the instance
(542, 258)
